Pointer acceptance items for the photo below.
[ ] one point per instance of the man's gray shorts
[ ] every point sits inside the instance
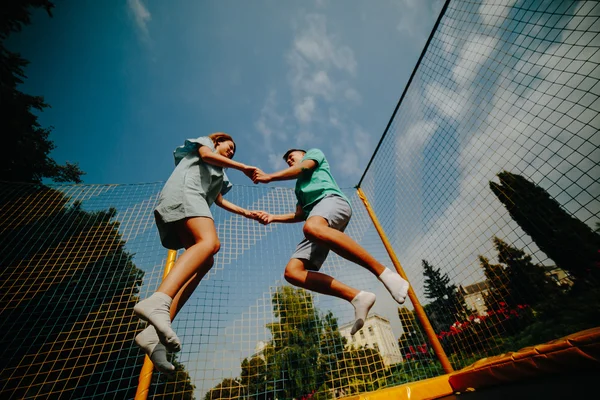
(337, 212)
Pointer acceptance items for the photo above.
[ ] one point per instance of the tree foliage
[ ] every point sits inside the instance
(26, 147)
(572, 244)
(447, 302)
(68, 288)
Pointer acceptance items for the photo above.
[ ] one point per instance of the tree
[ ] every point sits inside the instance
(498, 284)
(295, 341)
(528, 283)
(68, 287)
(25, 154)
(227, 389)
(413, 339)
(448, 303)
(572, 244)
(254, 378)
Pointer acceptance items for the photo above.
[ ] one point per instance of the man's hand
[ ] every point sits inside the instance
(263, 217)
(260, 176)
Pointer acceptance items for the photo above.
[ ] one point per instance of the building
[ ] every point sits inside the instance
(375, 334)
(474, 296)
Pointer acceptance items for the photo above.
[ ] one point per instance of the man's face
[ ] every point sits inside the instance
(294, 157)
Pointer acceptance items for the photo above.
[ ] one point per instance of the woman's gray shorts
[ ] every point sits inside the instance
(337, 212)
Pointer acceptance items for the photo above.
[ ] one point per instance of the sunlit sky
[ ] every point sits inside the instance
(128, 81)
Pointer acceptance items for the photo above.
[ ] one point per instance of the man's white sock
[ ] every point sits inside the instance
(395, 284)
(156, 309)
(362, 303)
(148, 341)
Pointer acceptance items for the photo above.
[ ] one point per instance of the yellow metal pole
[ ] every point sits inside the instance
(148, 367)
(435, 343)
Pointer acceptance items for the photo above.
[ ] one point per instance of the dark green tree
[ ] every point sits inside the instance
(572, 244)
(295, 340)
(528, 283)
(26, 147)
(68, 287)
(227, 389)
(448, 303)
(413, 336)
(254, 378)
(498, 284)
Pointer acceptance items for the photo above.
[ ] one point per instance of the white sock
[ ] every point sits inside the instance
(362, 303)
(156, 309)
(148, 341)
(395, 284)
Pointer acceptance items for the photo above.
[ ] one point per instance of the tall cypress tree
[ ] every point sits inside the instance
(573, 245)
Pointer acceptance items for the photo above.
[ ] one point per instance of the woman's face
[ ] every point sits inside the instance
(226, 148)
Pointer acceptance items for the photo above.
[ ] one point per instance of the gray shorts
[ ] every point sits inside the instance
(337, 212)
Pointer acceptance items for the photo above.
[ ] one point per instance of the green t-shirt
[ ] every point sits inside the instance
(313, 185)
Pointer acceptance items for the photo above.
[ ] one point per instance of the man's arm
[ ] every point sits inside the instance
(285, 174)
(266, 218)
(229, 206)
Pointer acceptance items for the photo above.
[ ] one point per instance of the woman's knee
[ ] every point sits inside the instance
(216, 245)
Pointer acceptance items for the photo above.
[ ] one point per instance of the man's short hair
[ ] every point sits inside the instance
(287, 153)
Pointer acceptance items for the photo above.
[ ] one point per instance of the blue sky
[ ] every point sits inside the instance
(128, 81)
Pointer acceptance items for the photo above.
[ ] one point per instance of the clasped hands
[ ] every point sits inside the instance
(258, 176)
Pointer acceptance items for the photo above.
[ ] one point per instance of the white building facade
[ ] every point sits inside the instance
(375, 334)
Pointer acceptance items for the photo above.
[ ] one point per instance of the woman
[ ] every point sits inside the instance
(184, 220)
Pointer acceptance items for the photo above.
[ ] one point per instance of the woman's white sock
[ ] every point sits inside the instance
(148, 341)
(156, 309)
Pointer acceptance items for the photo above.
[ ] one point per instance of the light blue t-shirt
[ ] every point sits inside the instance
(313, 185)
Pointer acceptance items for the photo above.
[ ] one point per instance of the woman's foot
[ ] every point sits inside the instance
(156, 309)
(148, 341)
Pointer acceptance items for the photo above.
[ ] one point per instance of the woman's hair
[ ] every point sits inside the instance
(219, 137)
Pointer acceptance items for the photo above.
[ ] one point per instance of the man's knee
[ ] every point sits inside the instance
(314, 228)
(293, 271)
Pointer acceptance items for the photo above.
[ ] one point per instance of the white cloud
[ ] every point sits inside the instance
(526, 130)
(304, 110)
(271, 124)
(141, 16)
(416, 17)
(321, 96)
(472, 57)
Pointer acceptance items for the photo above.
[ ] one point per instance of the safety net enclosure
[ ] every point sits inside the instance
(484, 191)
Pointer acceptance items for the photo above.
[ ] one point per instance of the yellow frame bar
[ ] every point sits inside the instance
(148, 368)
(433, 339)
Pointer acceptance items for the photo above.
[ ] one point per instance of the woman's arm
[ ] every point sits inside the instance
(229, 206)
(220, 161)
(266, 218)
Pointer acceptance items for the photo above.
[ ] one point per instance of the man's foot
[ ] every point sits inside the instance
(395, 284)
(148, 341)
(362, 303)
(156, 309)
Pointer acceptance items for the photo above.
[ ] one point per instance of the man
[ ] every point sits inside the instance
(327, 212)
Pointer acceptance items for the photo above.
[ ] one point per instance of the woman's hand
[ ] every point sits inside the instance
(261, 177)
(249, 171)
(263, 217)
